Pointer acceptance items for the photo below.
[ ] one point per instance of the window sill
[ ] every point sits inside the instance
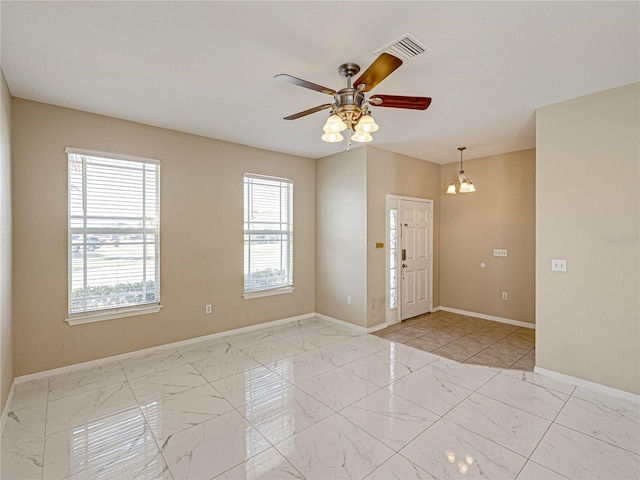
(268, 293)
(112, 314)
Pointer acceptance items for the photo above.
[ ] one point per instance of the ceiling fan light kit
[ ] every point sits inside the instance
(334, 124)
(332, 137)
(361, 137)
(367, 124)
(466, 185)
(350, 110)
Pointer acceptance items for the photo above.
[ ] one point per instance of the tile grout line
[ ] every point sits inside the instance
(547, 431)
(339, 412)
(527, 458)
(587, 434)
(469, 335)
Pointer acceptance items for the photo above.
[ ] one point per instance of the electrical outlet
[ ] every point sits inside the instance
(558, 265)
(505, 296)
(207, 308)
(348, 299)
(499, 252)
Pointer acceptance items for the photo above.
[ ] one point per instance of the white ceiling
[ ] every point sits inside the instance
(207, 67)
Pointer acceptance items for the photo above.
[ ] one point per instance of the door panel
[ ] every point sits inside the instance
(409, 288)
(422, 285)
(415, 268)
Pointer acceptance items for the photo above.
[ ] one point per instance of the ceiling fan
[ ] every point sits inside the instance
(350, 108)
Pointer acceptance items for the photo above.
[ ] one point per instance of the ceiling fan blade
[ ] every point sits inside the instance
(305, 84)
(309, 112)
(399, 101)
(381, 68)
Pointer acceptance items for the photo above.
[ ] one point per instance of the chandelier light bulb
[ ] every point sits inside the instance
(466, 185)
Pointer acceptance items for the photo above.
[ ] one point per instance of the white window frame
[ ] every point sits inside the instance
(287, 232)
(145, 307)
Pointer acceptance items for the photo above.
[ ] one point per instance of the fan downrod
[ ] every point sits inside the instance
(348, 69)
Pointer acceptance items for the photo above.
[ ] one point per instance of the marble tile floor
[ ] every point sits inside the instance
(313, 400)
(467, 339)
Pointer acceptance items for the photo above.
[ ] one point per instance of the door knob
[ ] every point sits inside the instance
(404, 265)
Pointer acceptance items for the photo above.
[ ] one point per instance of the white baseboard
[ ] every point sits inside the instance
(342, 323)
(579, 382)
(487, 317)
(5, 410)
(375, 328)
(542, 371)
(146, 351)
(182, 343)
(463, 312)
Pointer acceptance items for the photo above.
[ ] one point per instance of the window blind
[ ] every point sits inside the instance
(268, 233)
(114, 226)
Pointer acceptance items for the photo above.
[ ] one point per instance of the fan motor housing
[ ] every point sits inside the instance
(349, 97)
(349, 105)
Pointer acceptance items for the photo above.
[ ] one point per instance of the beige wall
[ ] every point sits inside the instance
(201, 236)
(392, 173)
(500, 214)
(341, 236)
(588, 212)
(6, 344)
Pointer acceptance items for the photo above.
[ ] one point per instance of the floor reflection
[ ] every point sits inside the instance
(115, 446)
(464, 462)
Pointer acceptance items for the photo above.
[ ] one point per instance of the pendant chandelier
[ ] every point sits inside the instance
(466, 185)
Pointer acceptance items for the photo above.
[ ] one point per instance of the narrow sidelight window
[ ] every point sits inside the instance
(393, 258)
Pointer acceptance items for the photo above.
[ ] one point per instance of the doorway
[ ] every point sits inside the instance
(409, 259)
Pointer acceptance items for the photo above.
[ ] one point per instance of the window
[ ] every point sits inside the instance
(393, 263)
(268, 235)
(114, 244)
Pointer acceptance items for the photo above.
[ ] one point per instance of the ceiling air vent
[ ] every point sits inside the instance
(406, 48)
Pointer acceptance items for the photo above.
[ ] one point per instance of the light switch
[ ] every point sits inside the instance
(499, 252)
(558, 265)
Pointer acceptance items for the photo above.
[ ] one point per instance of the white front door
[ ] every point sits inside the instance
(415, 258)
